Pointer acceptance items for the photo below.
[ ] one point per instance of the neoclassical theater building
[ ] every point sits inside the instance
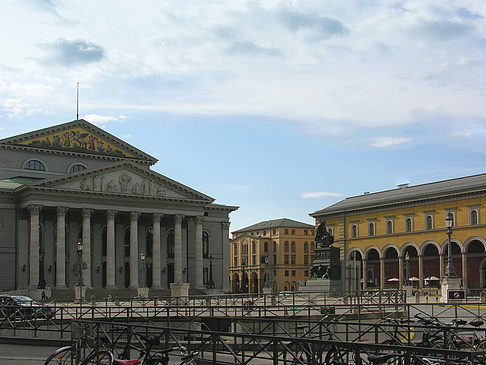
(75, 183)
(390, 235)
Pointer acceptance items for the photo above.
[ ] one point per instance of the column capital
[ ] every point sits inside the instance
(134, 216)
(111, 213)
(225, 226)
(199, 219)
(61, 211)
(157, 217)
(34, 209)
(178, 218)
(87, 213)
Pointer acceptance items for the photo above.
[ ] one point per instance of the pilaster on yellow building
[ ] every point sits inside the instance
(401, 233)
(275, 254)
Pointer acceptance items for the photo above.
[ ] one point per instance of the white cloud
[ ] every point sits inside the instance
(98, 119)
(336, 67)
(384, 142)
(321, 194)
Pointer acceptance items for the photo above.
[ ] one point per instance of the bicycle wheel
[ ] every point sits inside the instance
(102, 357)
(337, 356)
(62, 356)
(158, 360)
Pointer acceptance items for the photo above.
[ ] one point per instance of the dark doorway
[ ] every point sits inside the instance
(103, 274)
(127, 274)
(170, 274)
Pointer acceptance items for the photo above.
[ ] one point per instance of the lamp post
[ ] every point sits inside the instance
(79, 249)
(450, 271)
(211, 281)
(142, 261)
(243, 286)
(407, 269)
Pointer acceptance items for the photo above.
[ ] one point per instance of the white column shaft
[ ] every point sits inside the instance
(134, 249)
(61, 248)
(110, 250)
(34, 246)
(178, 249)
(87, 246)
(199, 253)
(156, 269)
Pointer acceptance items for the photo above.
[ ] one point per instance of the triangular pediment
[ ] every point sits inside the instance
(123, 179)
(78, 136)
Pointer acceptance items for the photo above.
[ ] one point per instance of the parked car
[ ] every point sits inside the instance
(19, 306)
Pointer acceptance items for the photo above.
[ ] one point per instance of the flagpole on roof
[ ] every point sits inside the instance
(77, 101)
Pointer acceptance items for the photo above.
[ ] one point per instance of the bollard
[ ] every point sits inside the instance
(437, 296)
(117, 301)
(426, 297)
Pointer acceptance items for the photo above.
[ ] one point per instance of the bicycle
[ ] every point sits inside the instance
(83, 343)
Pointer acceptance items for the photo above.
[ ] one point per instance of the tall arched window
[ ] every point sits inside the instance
(354, 232)
(306, 246)
(34, 165)
(371, 229)
(205, 243)
(389, 227)
(292, 246)
(430, 222)
(170, 244)
(409, 224)
(265, 246)
(286, 246)
(474, 217)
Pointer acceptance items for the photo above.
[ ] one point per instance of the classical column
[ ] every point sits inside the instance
(364, 275)
(199, 253)
(464, 269)
(34, 246)
(87, 246)
(226, 257)
(441, 266)
(110, 250)
(156, 269)
(421, 271)
(178, 249)
(382, 273)
(61, 248)
(400, 272)
(134, 249)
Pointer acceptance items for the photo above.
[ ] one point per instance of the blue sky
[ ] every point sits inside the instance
(279, 107)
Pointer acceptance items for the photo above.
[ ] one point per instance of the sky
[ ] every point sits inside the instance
(279, 107)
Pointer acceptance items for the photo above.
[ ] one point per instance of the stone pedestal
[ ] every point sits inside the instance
(330, 286)
(449, 283)
(143, 292)
(179, 290)
(267, 290)
(79, 293)
(408, 290)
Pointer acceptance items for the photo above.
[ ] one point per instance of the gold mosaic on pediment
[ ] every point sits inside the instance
(77, 140)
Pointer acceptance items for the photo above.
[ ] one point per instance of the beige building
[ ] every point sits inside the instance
(275, 254)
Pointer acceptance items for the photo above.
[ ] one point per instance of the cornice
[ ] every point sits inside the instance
(114, 195)
(94, 155)
(406, 204)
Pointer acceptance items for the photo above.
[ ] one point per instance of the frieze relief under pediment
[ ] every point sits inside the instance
(123, 183)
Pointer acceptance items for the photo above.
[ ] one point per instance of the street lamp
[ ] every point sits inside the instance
(211, 281)
(79, 249)
(142, 260)
(407, 269)
(450, 271)
(243, 286)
